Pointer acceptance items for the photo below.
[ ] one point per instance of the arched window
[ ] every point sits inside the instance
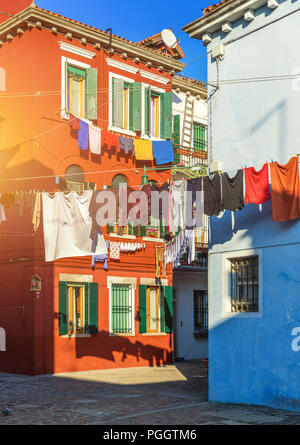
(119, 179)
(75, 179)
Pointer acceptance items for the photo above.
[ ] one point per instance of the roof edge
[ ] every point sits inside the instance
(93, 35)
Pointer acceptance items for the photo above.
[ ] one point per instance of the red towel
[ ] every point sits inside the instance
(257, 189)
(285, 190)
(110, 139)
(74, 122)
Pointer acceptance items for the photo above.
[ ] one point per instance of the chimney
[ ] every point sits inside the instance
(12, 7)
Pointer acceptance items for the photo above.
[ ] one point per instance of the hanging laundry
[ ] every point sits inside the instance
(143, 150)
(2, 212)
(83, 136)
(177, 211)
(212, 195)
(37, 212)
(74, 122)
(257, 188)
(285, 186)
(109, 140)
(126, 144)
(194, 189)
(101, 258)
(232, 191)
(114, 250)
(95, 139)
(191, 235)
(67, 226)
(163, 152)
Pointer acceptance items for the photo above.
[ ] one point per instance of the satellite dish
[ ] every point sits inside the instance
(169, 38)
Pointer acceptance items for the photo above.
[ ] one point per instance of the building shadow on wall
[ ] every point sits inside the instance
(103, 345)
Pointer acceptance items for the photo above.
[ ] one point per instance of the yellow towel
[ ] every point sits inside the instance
(143, 150)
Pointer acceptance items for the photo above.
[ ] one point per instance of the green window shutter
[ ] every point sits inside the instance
(63, 307)
(163, 229)
(117, 102)
(202, 138)
(132, 229)
(166, 115)
(121, 308)
(143, 230)
(142, 309)
(199, 136)
(147, 110)
(91, 93)
(135, 106)
(77, 71)
(176, 138)
(162, 309)
(166, 309)
(110, 228)
(91, 308)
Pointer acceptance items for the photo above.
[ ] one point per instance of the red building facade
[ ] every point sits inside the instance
(124, 89)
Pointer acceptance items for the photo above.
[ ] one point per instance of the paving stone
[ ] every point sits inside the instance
(175, 395)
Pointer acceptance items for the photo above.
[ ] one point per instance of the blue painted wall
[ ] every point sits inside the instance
(251, 359)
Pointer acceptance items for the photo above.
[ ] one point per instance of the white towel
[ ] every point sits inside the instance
(2, 213)
(95, 139)
(67, 226)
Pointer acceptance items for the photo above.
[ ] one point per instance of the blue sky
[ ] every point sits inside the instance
(136, 20)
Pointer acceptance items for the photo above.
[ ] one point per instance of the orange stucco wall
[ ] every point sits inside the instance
(36, 141)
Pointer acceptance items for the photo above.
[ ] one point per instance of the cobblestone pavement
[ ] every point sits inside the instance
(171, 395)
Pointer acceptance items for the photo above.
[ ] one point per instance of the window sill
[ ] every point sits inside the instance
(148, 334)
(122, 130)
(153, 240)
(129, 334)
(76, 336)
(115, 235)
(148, 138)
(67, 117)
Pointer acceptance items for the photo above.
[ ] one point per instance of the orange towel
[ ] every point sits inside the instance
(285, 190)
(143, 150)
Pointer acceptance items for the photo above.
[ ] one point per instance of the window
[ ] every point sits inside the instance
(244, 284)
(75, 309)
(154, 131)
(78, 308)
(126, 104)
(121, 308)
(153, 308)
(128, 98)
(119, 179)
(201, 311)
(199, 137)
(76, 91)
(79, 89)
(158, 114)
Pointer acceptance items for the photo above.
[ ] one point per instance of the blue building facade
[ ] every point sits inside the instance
(254, 355)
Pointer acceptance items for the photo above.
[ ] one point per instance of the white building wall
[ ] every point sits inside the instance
(200, 109)
(184, 284)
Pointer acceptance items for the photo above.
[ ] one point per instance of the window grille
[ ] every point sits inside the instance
(201, 311)
(244, 284)
(121, 307)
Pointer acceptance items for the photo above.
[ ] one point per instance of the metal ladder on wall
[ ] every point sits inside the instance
(187, 128)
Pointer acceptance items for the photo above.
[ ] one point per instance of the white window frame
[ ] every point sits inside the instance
(111, 127)
(227, 284)
(79, 285)
(156, 90)
(76, 63)
(122, 280)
